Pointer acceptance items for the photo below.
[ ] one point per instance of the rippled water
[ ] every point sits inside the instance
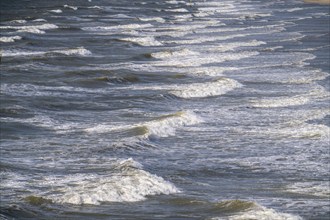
(164, 109)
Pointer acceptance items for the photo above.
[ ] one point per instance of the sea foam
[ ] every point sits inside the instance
(143, 41)
(10, 39)
(163, 126)
(37, 29)
(207, 89)
(80, 51)
(127, 183)
(251, 210)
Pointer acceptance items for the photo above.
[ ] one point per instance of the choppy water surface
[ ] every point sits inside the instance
(164, 109)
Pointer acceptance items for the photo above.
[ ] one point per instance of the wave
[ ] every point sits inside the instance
(80, 51)
(186, 60)
(242, 210)
(57, 11)
(21, 21)
(127, 183)
(231, 46)
(298, 131)
(123, 27)
(71, 7)
(10, 39)
(315, 93)
(263, 213)
(181, 10)
(142, 41)
(280, 102)
(157, 19)
(164, 126)
(285, 75)
(198, 90)
(320, 189)
(169, 53)
(37, 29)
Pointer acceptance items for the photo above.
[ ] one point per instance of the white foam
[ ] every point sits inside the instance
(231, 46)
(262, 213)
(95, 7)
(57, 11)
(163, 127)
(321, 189)
(294, 9)
(195, 60)
(207, 89)
(157, 19)
(32, 30)
(143, 41)
(177, 53)
(167, 126)
(80, 51)
(10, 39)
(289, 130)
(204, 39)
(182, 10)
(18, 21)
(39, 20)
(174, 2)
(37, 29)
(14, 53)
(71, 7)
(316, 92)
(123, 27)
(280, 102)
(128, 183)
(284, 75)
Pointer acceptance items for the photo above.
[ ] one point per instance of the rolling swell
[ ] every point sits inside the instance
(164, 110)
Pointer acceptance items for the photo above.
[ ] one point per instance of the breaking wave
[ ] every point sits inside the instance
(127, 183)
(36, 29)
(164, 126)
(251, 210)
(10, 39)
(198, 90)
(80, 51)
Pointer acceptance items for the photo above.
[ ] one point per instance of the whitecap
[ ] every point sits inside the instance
(157, 19)
(164, 126)
(80, 51)
(262, 213)
(231, 46)
(37, 29)
(207, 89)
(175, 53)
(10, 39)
(123, 27)
(299, 131)
(71, 7)
(127, 183)
(280, 102)
(167, 126)
(251, 210)
(195, 60)
(18, 21)
(320, 189)
(39, 20)
(143, 41)
(182, 10)
(57, 11)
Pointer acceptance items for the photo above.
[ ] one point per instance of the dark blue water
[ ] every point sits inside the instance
(164, 110)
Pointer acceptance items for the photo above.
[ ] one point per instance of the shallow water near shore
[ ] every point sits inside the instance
(164, 110)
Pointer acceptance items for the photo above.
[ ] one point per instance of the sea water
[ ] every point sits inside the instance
(164, 109)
